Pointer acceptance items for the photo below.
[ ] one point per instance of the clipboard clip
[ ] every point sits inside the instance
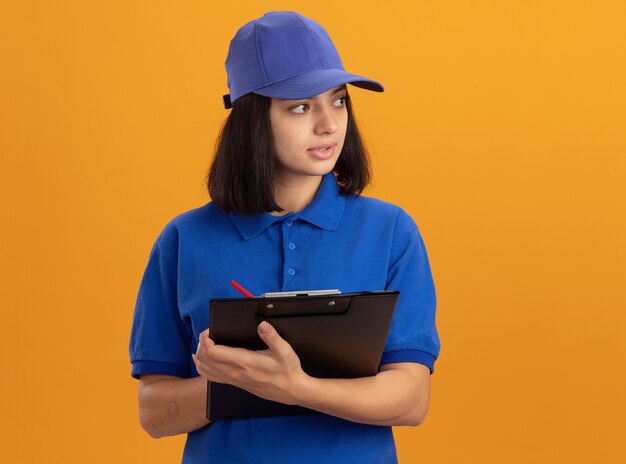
(288, 307)
(271, 305)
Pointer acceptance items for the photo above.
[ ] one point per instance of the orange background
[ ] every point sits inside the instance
(501, 131)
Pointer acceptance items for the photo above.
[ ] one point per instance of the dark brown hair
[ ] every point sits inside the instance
(241, 176)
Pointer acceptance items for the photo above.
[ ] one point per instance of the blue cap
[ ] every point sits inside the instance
(283, 54)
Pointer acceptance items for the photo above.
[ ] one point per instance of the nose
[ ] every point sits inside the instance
(326, 122)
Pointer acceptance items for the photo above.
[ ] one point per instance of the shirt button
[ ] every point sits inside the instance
(292, 246)
(289, 223)
(292, 272)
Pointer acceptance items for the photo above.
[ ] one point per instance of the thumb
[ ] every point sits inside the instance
(271, 338)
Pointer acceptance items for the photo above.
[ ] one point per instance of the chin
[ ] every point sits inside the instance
(316, 169)
(323, 170)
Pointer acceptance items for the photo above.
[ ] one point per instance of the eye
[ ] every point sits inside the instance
(304, 107)
(342, 101)
(299, 109)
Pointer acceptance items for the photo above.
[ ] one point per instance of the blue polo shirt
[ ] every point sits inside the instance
(352, 243)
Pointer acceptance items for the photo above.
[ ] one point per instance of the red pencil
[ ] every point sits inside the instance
(242, 290)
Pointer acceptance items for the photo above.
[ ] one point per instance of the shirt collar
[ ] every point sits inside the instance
(325, 211)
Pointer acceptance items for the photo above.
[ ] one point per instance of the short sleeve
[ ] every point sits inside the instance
(413, 334)
(159, 340)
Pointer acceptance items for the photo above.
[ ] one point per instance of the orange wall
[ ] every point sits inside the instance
(501, 131)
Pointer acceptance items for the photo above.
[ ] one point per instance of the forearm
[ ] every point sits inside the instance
(173, 406)
(392, 397)
(397, 395)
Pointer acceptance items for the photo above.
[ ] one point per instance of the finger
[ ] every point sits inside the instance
(211, 373)
(208, 352)
(273, 340)
(212, 367)
(204, 341)
(230, 355)
(203, 335)
(224, 373)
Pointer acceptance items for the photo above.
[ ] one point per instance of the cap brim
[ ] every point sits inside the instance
(315, 82)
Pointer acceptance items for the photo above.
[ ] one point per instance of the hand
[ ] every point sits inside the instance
(274, 374)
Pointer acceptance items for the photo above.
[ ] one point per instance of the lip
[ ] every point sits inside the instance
(323, 146)
(322, 155)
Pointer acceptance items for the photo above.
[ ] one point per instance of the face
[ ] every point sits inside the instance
(308, 133)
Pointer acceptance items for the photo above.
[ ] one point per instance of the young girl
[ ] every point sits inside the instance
(286, 214)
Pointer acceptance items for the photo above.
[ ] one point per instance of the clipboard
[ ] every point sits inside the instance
(335, 336)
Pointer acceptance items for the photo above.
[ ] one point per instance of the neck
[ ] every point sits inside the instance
(293, 195)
